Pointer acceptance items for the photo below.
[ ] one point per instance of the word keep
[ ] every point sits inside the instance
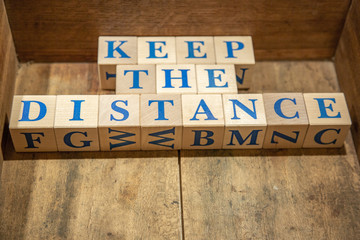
(175, 121)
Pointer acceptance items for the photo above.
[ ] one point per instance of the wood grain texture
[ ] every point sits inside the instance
(281, 29)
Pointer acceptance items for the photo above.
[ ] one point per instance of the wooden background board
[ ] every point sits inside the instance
(347, 62)
(53, 31)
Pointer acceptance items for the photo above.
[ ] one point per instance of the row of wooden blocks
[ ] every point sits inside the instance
(204, 50)
(167, 122)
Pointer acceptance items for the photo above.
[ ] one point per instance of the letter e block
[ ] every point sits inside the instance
(156, 50)
(135, 79)
(216, 79)
(195, 50)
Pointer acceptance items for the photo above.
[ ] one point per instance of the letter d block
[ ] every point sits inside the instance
(76, 120)
(32, 123)
(329, 120)
(203, 121)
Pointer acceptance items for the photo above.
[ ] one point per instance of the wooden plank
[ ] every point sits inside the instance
(274, 194)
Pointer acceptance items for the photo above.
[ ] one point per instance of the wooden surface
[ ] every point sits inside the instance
(47, 31)
(347, 63)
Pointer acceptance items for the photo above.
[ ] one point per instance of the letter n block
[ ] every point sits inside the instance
(329, 120)
(287, 120)
(245, 121)
(76, 121)
(135, 79)
(111, 52)
(195, 50)
(156, 50)
(203, 121)
(161, 124)
(32, 123)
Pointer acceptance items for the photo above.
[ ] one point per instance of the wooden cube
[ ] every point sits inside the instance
(176, 79)
(111, 52)
(32, 123)
(195, 50)
(216, 79)
(161, 124)
(239, 51)
(329, 120)
(135, 79)
(203, 121)
(76, 121)
(156, 50)
(287, 120)
(245, 121)
(119, 122)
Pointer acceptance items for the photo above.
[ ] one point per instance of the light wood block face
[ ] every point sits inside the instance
(135, 79)
(111, 52)
(119, 122)
(203, 121)
(76, 120)
(216, 79)
(287, 120)
(156, 50)
(195, 50)
(245, 121)
(161, 121)
(32, 123)
(329, 120)
(176, 79)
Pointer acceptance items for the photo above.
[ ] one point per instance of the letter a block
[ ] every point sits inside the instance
(111, 52)
(76, 120)
(135, 79)
(161, 125)
(195, 50)
(156, 50)
(32, 123)
(203, 121)
(119, 122)
(287, 120)
(329, 120)
(245, 121)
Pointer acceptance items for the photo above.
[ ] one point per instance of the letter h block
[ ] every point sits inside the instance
(329, 120)
(76, 121)
(32, 123)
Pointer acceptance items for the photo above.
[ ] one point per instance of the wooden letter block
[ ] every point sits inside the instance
(135, 79)
(216, 79)
(32, 123)
(329, 120)
(156, 50)
(176, 79)
(76, 121)
(195, 50)
(245, 121)
(287, 120)
(238, 51)
(161, 124)
(113, 51)
(203, 121)
(119, 122)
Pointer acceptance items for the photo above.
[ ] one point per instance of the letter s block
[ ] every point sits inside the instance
(329, 120)
(32, 123)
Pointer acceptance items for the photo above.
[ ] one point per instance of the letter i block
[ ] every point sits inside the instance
(176, 79)
(195, 50)
(76, 121)
(216, 79)
(245, 121)
(119, 122)
(329, 120)
(203, 121)
(238, 51)
(111, 52)
(135, 79)
(32, 123)
(161, 124)
(287, 120)
(156, 50)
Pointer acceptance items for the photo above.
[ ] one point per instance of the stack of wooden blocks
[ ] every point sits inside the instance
(177, 93)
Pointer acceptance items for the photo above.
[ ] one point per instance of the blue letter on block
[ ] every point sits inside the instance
(241, 79)
(120, 138)
(153, 49)
(212, 78)
(26, 111)
(163, 139)
(206, 111)
(184, 78)
(77, 110)
(243, 107)
(318, 136)
(283, 136)
(240, 140)
(110, 75)
(111, 50)
(118, 109)
(191, 49)
(277, 108)
(67, 140)
(198, 137)
(161, 108)
(230, 48)
(30, 141)
(136, 77)
(322, 108)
